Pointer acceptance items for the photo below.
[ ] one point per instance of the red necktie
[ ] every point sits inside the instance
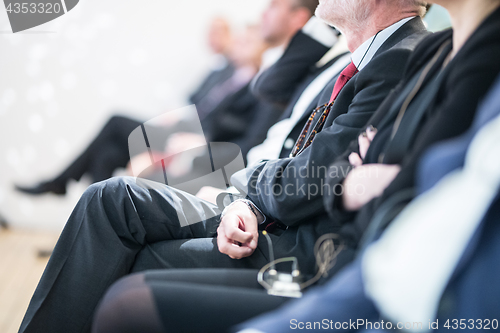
(344, 77)
(308, 134)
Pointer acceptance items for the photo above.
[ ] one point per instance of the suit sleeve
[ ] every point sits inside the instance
(290, 190)
(333, 199)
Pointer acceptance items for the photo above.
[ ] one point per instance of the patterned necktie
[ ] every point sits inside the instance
(306, 137)
(342, 80)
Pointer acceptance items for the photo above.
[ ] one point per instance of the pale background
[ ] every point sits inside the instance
(57, 89)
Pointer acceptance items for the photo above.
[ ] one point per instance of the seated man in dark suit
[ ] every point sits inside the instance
(415, 256)
(119, 227)
(219, 39)
(452, 276)
(436, 100)
(238, 118)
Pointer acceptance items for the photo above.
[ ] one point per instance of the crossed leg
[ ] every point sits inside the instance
(109, 235)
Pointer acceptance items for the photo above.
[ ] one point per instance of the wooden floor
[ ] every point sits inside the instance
(20, 270)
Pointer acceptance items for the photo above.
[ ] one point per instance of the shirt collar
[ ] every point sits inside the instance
(382, 36)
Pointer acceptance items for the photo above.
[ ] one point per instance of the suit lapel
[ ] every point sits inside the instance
(410, 28)
(407, 33)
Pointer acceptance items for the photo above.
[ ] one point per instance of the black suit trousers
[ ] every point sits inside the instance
(112, 232)
(106, 153)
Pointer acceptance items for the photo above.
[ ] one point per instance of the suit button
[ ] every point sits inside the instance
(289, 143)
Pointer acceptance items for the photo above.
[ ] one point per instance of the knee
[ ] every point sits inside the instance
(111, 186)
(109, 191)
(116, 184)
(116, 120)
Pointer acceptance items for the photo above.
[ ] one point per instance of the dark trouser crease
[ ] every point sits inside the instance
(119, 227)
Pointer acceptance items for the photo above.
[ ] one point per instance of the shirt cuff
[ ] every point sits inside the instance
(320, 32)
(249, 203)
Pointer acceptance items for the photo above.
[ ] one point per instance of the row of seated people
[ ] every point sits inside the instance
(226, 108)
(369, 166)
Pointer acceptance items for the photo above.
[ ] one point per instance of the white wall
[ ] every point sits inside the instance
(59, 82)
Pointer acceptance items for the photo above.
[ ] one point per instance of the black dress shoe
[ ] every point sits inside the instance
(42, 188)
(3, 223)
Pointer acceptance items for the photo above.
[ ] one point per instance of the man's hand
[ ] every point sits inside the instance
(367, 182)
(237, 234)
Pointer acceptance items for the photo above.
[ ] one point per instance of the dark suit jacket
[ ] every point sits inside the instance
(214, 78)
(297, 205)
(242, 119)
(465, 81)
(279, 82)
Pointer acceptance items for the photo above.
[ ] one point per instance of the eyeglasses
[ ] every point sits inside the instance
(305, 140)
